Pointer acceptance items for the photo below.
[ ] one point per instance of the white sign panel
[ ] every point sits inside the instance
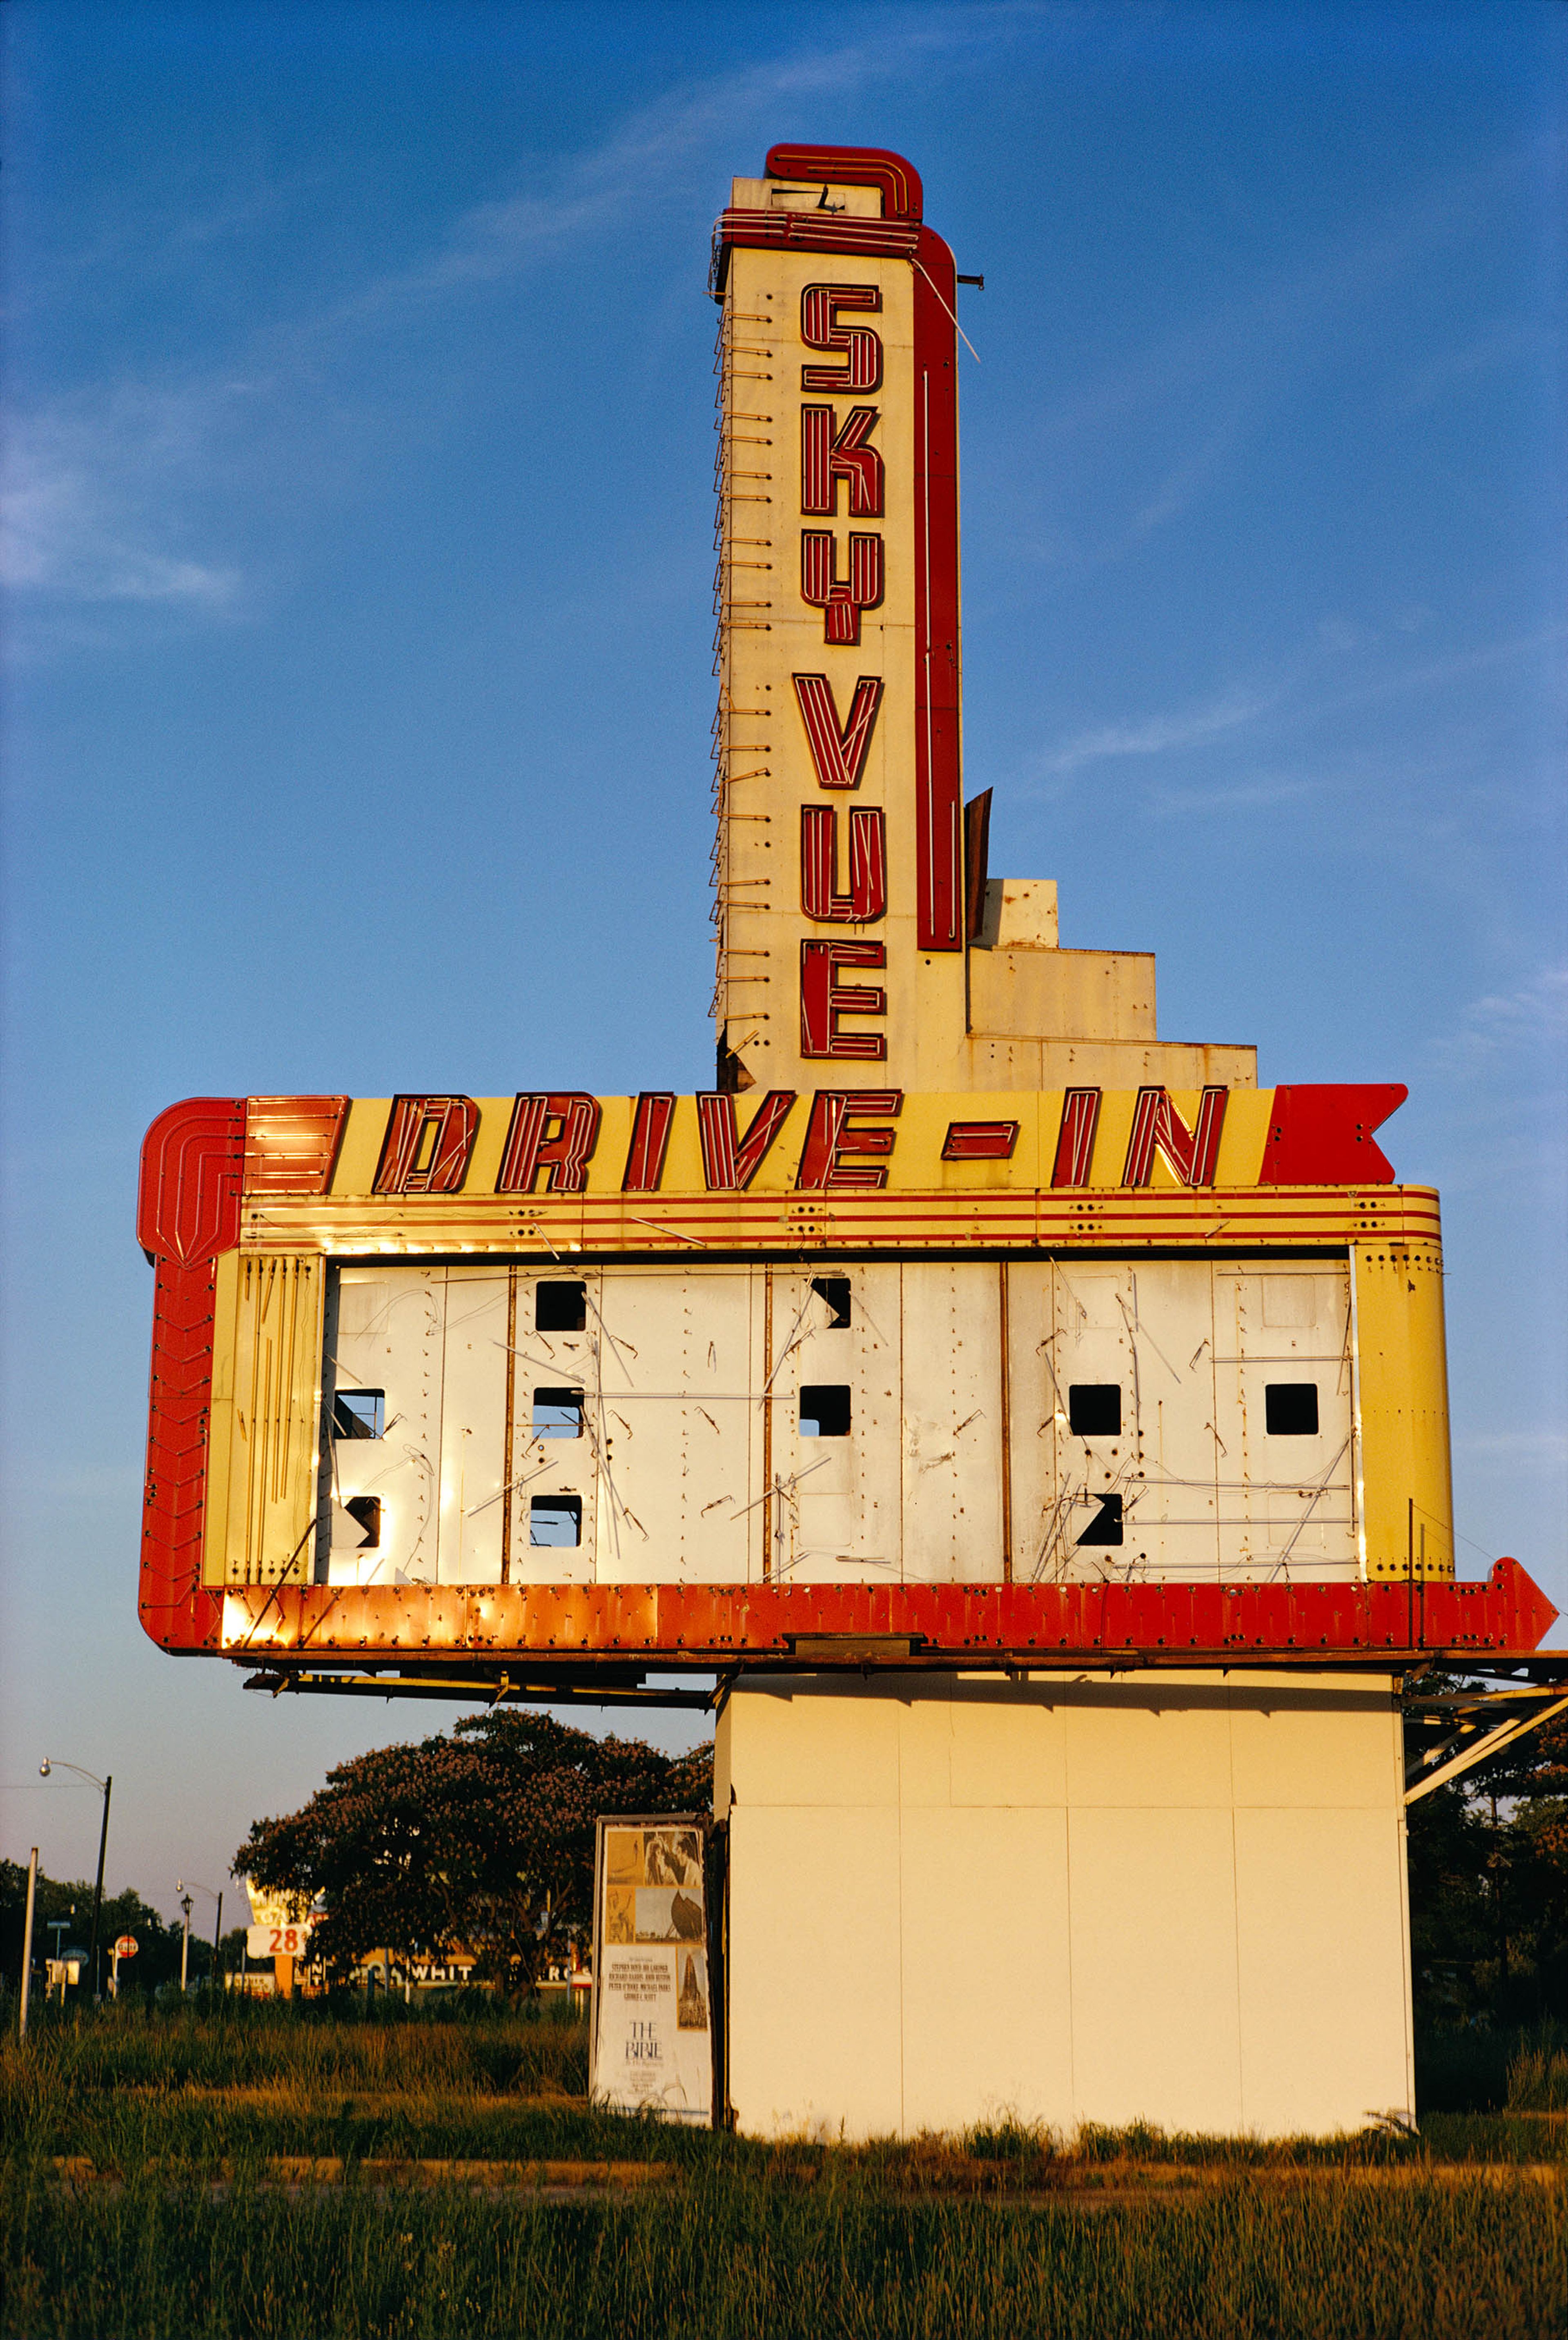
(652, 2012)
(277, 1941)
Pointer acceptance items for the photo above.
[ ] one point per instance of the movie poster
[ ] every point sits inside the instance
(653, 2026)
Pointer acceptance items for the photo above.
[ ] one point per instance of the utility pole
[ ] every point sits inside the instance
(27, 1940)
(104, 1788)
(197, 1887)
(98, 1889)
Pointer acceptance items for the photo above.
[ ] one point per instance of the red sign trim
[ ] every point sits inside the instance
(719, 1625)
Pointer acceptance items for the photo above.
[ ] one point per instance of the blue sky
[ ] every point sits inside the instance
(358, 687)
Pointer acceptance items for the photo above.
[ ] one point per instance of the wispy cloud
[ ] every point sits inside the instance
(1185, 484)
(1156, 735)
(1451, 665)
(110, 487)
(1303, 689)
(1540, 1449)
(1254, 346)
(643, 157)
(1504, 1025)
(90, 490)
(1247, 796)
(1509, 344)
(1245, 338)
(1185, 481)
(1255, 342)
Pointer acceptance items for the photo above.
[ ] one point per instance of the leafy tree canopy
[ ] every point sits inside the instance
(1489, 1886)
(158, 1945)
(477, 1839)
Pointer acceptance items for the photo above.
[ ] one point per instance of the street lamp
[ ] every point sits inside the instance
(181, 1887)
(104, 1788)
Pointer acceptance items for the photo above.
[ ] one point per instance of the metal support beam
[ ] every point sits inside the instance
(1422, 1780)
(471, 1689)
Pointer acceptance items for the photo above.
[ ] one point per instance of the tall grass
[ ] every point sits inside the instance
(1538, 2071)
(198, 2085)
(737, 2254)
(183, 2231)
(225, 2043)
(1477, 2070)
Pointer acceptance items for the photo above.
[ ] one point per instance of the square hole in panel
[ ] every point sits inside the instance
(359, 1413)
(1290, 1409)
(1106, 1527)
(1095, 1409)
(366, 1510)
(555, 1520)
(559, 1307)
(833, 1291)
(825, 1410)
(557, 1413)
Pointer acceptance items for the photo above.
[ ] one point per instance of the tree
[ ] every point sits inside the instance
(1489, 1885)
(158, 1946)
(480, 1838)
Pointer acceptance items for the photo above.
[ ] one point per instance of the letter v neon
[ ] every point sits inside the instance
(838, 750)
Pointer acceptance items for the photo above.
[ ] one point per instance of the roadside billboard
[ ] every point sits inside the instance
(651, 2022)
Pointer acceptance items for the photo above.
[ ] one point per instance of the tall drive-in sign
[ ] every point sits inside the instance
(964, 1323)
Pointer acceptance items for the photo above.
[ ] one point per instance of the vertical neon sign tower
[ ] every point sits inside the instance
(840, 859)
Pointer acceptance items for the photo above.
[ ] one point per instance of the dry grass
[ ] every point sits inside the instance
(268, 2172)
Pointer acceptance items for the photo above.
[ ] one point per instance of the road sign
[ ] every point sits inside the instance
(126, 1947)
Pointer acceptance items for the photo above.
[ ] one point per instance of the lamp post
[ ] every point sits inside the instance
(104, 1788)
(187, 1890)
(185, 1904)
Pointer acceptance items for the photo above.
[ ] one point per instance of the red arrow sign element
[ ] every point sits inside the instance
(1320, 1135)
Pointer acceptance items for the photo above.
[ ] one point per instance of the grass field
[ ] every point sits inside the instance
(153, 2184)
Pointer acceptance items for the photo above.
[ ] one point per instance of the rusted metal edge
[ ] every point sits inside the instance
(550, 1626)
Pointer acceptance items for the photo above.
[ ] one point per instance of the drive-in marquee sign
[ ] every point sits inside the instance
(963, 1320)
(403, 1404)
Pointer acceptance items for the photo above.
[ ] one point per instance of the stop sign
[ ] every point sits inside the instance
(125, 1948)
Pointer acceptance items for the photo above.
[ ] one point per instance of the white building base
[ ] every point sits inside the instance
(1172, 1897)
